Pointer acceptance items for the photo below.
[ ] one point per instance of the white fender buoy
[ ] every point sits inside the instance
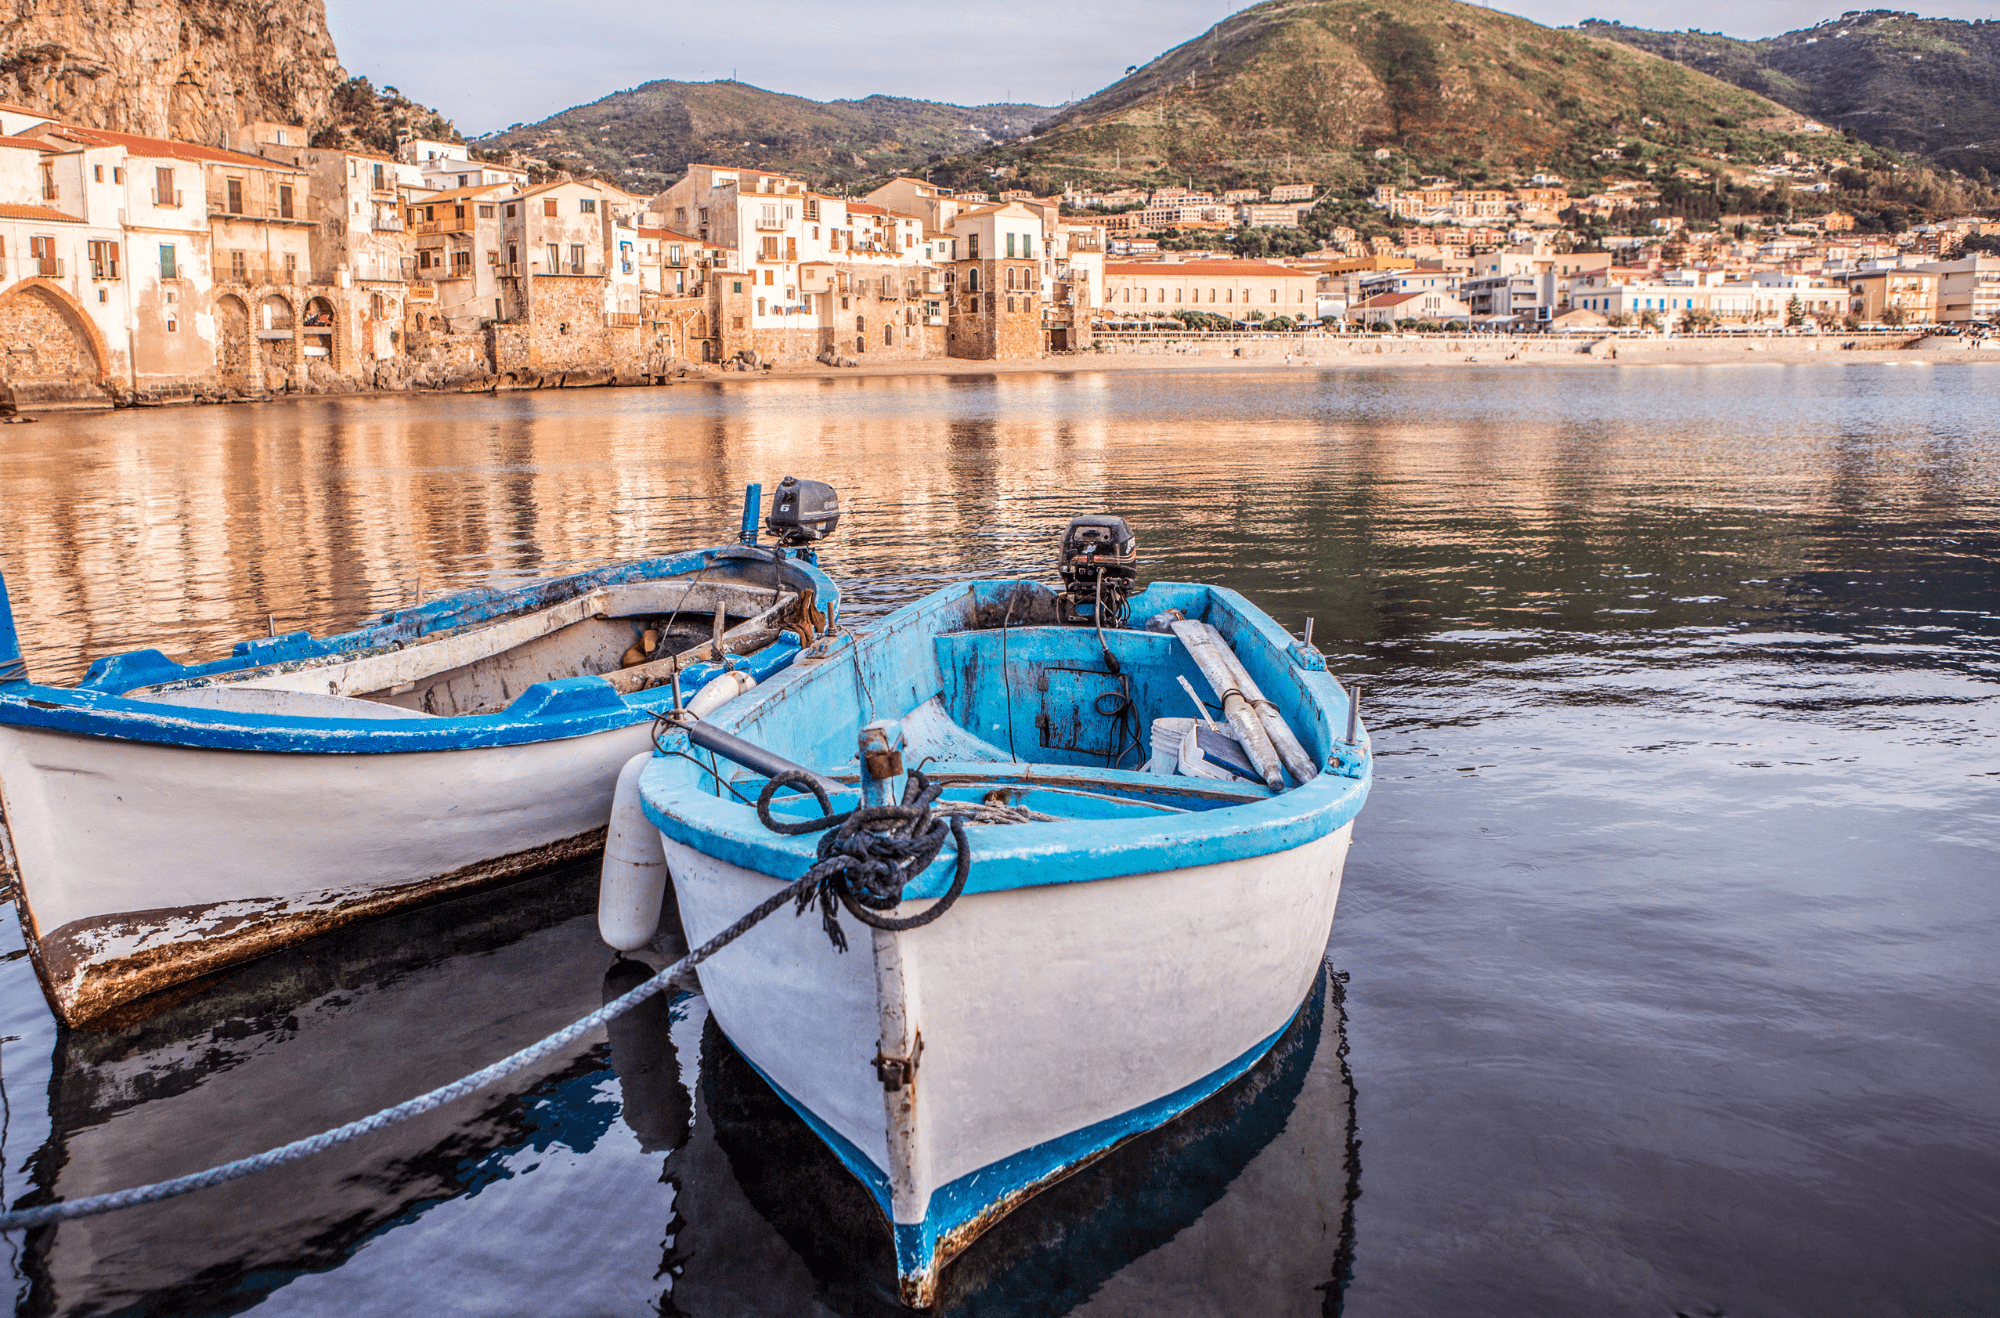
(633, 882)
(719, 691)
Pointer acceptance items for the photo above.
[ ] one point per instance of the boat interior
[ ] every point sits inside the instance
(636, 634)
(1056, 719)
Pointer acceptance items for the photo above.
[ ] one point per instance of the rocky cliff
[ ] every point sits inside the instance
(191, 69)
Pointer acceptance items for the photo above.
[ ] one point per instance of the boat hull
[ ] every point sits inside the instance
(1047, 1024)
(142, 866)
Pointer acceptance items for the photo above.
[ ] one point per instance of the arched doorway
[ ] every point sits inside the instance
(235, 360)
(278, 334)
(46, 346)
(317, 343)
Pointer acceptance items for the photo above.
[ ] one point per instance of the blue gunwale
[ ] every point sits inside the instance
(1084, 850)
(546, 711)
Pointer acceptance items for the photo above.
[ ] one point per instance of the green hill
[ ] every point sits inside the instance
(1310, 88)
(1927, 86)
(644, 138)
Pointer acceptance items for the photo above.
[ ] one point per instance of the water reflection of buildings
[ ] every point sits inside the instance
(184, 529)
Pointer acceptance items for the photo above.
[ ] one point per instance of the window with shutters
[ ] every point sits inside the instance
(163, 188)
(549, 206)
(104, 260)
(234, 188)
(576, 258)
(168, 267)
(485, 212)
(239, 266)
(42, 252)
(555, 258)
(586, 205)
(285, 201)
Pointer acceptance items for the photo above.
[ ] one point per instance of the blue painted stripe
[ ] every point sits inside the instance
(964, 1199)
(547, 711)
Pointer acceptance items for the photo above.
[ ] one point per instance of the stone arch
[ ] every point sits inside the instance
(277, 335)
(45, 337)
(318, 341)
(235, 357)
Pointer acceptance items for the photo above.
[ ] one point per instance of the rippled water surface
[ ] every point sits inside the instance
(1669, 932)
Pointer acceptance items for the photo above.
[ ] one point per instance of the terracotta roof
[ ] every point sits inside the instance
(26, 144)
(867, 208)
(159, 147)
(671, 236)
(1390, 299)
(1258, 269)
(12, 212)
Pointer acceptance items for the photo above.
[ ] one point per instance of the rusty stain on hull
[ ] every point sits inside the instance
(91, 995)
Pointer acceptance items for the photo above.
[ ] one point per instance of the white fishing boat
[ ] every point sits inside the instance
(1110, 942)
(164, 821)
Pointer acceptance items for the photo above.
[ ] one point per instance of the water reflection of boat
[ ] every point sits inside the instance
(297, 1042)
(1243, 1204)
(166, 821)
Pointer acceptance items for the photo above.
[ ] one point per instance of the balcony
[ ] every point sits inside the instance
(770, 225)
(423, 290)
(104, 270)
(48, 267)
(50, 192)
(259, 274)
(173, 199)
(621, 319)
(385, 223)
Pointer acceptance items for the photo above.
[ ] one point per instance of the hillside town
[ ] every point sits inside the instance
(141, 269)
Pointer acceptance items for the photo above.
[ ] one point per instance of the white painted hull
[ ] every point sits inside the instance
(1054, 1021)
(141, 866)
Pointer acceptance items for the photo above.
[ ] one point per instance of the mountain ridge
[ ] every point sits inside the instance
(1926, 86)
(643, 137)
(1311, 87)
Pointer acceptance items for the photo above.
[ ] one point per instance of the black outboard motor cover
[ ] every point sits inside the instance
(1099, 545)
(803, 511)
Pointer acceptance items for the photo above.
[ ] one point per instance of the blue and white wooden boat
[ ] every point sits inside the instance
(164, 821)
(1107, 967)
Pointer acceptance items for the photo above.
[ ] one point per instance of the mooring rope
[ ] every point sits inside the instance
(872, 853)
(801, 892)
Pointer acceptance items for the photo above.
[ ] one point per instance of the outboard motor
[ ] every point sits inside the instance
(1100, 567)
(803, 512)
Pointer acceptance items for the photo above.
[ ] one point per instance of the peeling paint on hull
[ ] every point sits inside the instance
(141, 867)
(92, 990)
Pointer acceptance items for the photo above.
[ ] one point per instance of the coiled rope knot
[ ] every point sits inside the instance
(870, 854)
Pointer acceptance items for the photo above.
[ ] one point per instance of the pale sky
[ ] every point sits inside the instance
(491, 63)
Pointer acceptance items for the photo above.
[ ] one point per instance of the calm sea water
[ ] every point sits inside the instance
(1663, 979)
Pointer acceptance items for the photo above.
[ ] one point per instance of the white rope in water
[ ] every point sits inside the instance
(305, 1148)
